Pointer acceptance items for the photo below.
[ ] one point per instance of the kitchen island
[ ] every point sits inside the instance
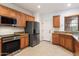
(67, 40)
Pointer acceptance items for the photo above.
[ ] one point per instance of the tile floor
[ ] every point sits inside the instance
(44, 49)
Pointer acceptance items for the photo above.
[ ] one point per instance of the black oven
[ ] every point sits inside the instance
(10, 44)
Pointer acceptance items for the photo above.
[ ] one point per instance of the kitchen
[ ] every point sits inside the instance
(13, 35)
(32, 31)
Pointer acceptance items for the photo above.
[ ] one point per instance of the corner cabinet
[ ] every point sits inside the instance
(63, 40)
(76, 48)
(56, 21)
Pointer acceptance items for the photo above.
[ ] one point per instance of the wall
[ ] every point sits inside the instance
(47, 19)
(37, 18)
(9, 30)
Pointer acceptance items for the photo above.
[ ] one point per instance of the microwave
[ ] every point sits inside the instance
(7, 20)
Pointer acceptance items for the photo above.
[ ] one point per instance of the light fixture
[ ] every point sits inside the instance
(38, 6)
(69, 4)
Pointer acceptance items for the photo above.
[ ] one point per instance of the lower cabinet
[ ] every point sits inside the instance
(55, 38)
(24, 41)
(76, 48)
(0, 47)
(63, 40)
(69, 44)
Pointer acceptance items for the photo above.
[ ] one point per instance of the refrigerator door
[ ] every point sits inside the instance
(34, 40)
(36, 28)
(29, 27)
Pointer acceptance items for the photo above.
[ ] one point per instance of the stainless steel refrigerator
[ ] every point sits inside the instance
(32, 28)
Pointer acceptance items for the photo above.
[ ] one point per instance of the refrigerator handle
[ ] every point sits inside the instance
(34, 31)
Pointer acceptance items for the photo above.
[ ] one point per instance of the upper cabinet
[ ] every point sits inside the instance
(12, 13)
(21, 19)
(72, 23)
(30, 18)
(19, 16)
(4, 11)
(56, 21)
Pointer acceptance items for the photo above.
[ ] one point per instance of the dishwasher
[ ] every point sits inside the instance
(10, 44)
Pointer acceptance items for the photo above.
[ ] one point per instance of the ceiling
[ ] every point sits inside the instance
(46, 7)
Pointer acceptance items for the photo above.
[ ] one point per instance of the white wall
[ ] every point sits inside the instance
(47, 19)
(37, 18)
(9, 30)
(14, 6)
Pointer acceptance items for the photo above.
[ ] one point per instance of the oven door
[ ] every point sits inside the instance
(9, 47)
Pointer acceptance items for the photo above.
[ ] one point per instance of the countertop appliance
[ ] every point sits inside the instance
(32, 28)
(10, 44)
(7, 20)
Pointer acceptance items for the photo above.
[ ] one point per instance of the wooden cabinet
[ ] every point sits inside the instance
(21, 17)
(69, 43)
(55, 38)
(12, 13)
(62, 40)
(30, 18)
(21, 20)
(0, 47)
(56, 21)
(76, 48)
(24, 41)
(4, 11)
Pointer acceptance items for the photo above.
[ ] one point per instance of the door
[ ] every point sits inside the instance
(46, 30)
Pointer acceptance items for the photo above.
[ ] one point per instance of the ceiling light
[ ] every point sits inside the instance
(38, 6)
(68, 4)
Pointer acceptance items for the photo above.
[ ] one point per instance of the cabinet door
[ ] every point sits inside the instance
(55, 38)
(30, 18)
(12, 13)
(69, 43)
(62, 40)
(76, 48)
(56, 21)
(26, 41)
(0, 47)
(22, 42)
(4, 11)
(20, 20)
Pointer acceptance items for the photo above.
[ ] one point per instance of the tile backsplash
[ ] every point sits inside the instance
(9, 30)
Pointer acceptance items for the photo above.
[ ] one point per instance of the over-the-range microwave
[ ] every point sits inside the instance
(4, 20)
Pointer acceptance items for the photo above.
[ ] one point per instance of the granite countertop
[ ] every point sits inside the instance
(11, 35)
(75, 36)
